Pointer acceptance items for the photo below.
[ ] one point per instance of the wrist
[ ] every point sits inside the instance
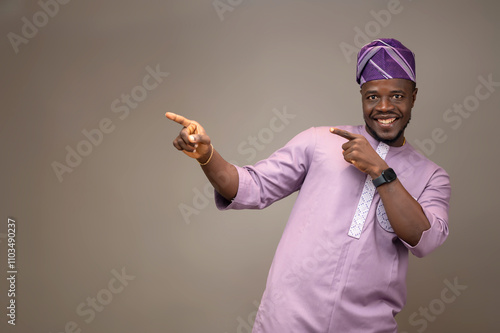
(205, 159)
(388, 175)
(376, 171)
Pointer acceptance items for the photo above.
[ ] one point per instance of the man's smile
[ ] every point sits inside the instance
(386, 121)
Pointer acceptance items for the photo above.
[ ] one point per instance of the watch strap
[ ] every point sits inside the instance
(382, 179)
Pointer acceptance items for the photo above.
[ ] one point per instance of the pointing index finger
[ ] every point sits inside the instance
(178, 119)
(345, 134)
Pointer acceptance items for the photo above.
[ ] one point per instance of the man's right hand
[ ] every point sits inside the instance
(192, 139)
(195, 143)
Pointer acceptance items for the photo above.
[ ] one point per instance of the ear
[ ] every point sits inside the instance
(414, 97)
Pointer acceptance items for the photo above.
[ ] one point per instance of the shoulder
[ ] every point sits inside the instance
(320, 137)
(418, 171)
(324, 131)
(319, 143)
(420, 161)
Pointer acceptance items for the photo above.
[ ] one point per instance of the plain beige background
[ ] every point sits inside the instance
(120, 207)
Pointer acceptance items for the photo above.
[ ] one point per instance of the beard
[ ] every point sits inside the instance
(387, 141)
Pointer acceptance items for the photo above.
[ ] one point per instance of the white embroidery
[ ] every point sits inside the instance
(365, 201)
(382, 218)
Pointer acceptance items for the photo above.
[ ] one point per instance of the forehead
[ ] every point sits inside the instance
(387, 85)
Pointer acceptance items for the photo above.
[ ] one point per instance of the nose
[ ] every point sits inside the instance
(385, 105)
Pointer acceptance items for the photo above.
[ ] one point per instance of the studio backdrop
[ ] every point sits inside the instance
(106, 227)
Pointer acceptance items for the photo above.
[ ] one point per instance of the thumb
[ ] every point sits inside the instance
(199, 138)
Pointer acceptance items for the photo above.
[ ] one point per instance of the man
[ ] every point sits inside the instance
(365, 198)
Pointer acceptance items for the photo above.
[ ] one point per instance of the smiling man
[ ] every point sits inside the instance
(366, 198)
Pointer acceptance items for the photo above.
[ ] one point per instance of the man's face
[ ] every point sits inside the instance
(387, 108)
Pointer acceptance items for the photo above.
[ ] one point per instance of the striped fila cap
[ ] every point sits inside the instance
(385, 58)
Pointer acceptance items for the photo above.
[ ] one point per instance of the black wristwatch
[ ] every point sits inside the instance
(387, 176)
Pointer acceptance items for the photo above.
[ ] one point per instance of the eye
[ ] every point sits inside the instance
(371, 97)
(398, 96)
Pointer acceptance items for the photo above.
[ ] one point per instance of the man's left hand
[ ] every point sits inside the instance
(360, 153)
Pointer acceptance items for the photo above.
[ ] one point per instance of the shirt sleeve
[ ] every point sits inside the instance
(434, 201)
(273, 178)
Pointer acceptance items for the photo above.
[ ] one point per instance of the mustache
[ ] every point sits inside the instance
(385, 115)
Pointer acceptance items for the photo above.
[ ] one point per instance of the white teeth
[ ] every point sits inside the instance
(386, 121)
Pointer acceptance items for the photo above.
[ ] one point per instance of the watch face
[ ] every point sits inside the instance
(390, 175)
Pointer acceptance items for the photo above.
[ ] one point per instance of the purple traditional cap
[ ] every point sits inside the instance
(385, 58)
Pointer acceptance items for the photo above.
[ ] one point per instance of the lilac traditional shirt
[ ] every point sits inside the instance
(322, 279)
